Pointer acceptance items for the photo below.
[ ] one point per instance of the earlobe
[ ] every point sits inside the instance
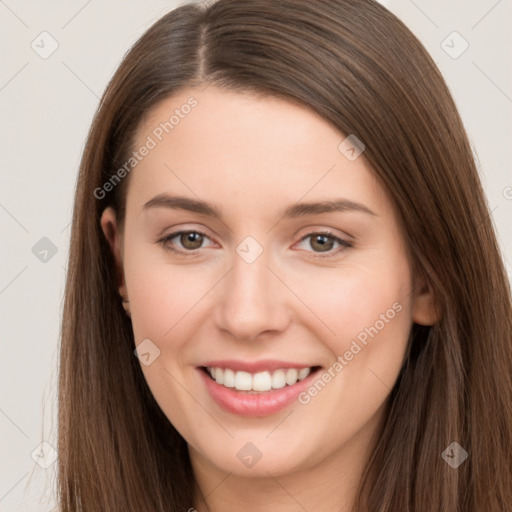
(425, 310)
(113, 235)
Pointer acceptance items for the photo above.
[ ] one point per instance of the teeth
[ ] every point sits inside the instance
(278, 379)
(243, 381)
(304, 372)
(229, 377)
(262, 381)
(292, 376)
(218, 376)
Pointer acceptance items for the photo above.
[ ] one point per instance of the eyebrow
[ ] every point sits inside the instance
(294, 211)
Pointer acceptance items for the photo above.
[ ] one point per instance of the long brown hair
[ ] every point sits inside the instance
(362, 70)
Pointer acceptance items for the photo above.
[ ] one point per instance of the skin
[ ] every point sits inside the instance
(252, 157)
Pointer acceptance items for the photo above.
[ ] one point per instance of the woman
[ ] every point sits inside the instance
(284, 287)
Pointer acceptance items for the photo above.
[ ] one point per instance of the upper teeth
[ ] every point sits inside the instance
(262, 381)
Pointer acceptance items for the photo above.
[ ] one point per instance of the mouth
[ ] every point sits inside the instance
(260, 382)
(256, 394)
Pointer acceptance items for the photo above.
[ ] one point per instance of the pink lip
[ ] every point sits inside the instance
(244, 403)
(255, 366)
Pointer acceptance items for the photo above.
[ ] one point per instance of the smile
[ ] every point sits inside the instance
(258, 382)
(262, 393)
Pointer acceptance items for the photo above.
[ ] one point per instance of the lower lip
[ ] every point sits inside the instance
(244, 403)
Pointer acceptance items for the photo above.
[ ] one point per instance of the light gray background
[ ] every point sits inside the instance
(46, 109)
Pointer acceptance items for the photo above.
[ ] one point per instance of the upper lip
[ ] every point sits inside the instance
(255, 366)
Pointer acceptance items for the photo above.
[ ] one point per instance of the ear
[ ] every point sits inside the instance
(114, 237)
(425, 310)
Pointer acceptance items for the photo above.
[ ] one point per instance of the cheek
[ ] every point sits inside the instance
(164, 302)
(358, 302)
(161, 295)
(369, 309)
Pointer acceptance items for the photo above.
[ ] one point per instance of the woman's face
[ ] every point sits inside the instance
(292, 259)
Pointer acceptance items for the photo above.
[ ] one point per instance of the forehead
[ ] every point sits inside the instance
(248, 150)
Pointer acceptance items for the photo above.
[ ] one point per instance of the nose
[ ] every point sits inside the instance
(252, 301)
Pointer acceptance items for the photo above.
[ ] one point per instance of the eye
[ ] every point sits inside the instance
(190, 241)
(324, 241)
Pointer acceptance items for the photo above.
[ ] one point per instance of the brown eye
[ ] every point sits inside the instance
(191, 240)
(322, 243)
(184, 242)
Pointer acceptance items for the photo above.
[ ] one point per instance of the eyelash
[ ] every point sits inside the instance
(344, 244)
